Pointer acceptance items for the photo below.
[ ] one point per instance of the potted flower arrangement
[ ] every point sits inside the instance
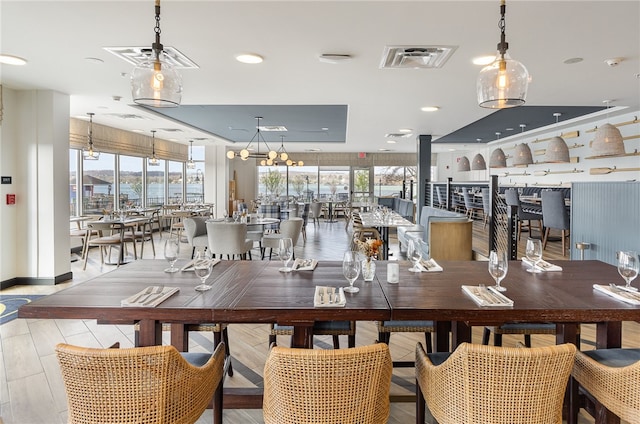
(370, 249)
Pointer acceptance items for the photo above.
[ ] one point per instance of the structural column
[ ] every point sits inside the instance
(424, 169)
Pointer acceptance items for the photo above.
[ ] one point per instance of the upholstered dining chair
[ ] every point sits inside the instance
(555, 216)
(479, 384)
(612, 376)
(470, 204)
(118, 236)
(348, 386)
(291, 228)
(315, 211)
(147, 385)
(513, 199)
(229, 238)
(195, 228)
(270, 211)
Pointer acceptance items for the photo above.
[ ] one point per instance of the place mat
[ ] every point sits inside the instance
(619, 293)
(305, 264)
(151, 296)
(190, 264)
(487, 296)
(542, 265)
(323, 301)
(430, 266)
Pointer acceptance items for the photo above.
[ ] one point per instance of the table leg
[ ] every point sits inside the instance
(180, 337)
(302, 335)
(150, 333)
(442, 336)
(384, 233)
(460, 333)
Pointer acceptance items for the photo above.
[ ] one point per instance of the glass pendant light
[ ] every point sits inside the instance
(504, 83)
(153, 160)
(155, 82)
(89, 153)
(190, 163)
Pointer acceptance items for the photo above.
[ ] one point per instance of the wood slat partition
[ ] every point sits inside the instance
(607, 215)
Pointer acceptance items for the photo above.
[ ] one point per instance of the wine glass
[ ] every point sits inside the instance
(285, 251)
(414, 254)
(202, 267)
(235, 215)
(498, 266)
(534, 254)
(351, 269)
(171, 251)
(628, 268)
(225, 214)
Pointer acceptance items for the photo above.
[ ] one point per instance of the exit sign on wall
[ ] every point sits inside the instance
(362, 155)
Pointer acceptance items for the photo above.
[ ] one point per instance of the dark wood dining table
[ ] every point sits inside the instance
(256, 292)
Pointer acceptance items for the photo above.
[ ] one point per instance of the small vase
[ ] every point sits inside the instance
(368, 269)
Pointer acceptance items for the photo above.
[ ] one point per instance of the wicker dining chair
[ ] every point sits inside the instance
(479, 384)
(320, 328)
(327, 386)
(145, 385)
(612, 376)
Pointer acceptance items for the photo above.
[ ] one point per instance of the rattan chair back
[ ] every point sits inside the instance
(146, 385)
(480, 384)
(327, 386)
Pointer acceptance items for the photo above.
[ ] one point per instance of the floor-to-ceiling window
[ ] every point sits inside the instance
(74, 204)
(361, 185)
(98, 179)
(195, 176)
(333, 182)
(131, 183)
(155, 184)
(175, 182)
(392, 180)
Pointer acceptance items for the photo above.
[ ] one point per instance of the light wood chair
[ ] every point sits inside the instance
(479, 384)
(147, 385)
(118, 237)
(144, 233)
(345, 386)
(612, 376)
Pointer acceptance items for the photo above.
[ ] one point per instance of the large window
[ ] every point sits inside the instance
(98, 179)
(130, 182)
(388, 181)
(334, 183)
(175, 182)
(74, 206)
(272, 182)
(195, 177)
(155, 184)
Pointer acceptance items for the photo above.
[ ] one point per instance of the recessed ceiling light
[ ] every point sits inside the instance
(391, 141)
(483, 60)
(382, 149)
(452, 150)
(334, 58)
(312, 150)
(138, 131)
(250, 58)
(573, 60)
(405, 130)
(324, 129)
(429, 108)
(8, 59)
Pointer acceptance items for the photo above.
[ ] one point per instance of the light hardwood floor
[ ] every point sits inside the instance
(31, 390)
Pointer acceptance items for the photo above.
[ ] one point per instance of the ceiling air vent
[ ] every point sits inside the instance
(416, 56)
(398, 135)
(137, 55)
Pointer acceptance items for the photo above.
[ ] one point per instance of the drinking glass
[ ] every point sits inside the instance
(498, 266)
(285, 250)
(171, 251)
(628, 267)
(534, 254)
(225, 214)
(202, 267)
(414, 254)
(351, 269)
(235, 215)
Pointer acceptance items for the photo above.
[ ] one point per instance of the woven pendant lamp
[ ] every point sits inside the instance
(478, 163)
(463, 164)
(498, 159)
(608, 141)
(557, 151)
(523, 155)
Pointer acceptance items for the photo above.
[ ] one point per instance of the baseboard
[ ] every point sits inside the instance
(30, 281)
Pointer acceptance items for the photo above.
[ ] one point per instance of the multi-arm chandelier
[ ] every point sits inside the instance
(245, 154)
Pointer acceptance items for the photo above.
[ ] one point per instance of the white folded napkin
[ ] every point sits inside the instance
(190, 264)
(150, 297)
(619, 293)
(322, 295)
(305, 264)
(487, 296)
(542, 265)
(430, 265)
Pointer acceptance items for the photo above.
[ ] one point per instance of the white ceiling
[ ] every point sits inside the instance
(56, 38)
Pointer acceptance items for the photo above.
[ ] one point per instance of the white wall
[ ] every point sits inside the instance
(583, 166)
